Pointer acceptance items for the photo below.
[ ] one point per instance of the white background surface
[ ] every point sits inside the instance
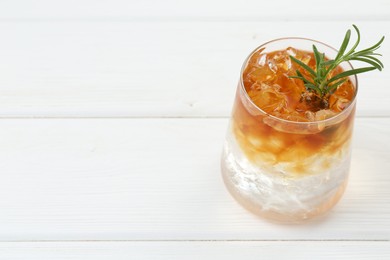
(113, 115)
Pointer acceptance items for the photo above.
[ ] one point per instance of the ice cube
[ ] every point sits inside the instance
(285, 127)
(263, 74)
(303, 56)
(310, 115)
(275, 144)
(262, 59)
(339, 103)
(293, 116)
(255, 141)
(263, 158)
(272, 65)
(324, 114)
(291, 51)
(269, 98)
(282, 61)
(306, 59)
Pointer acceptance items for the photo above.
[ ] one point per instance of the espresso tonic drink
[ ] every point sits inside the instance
(287, 152)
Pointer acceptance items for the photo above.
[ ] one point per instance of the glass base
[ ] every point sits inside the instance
(271, 193)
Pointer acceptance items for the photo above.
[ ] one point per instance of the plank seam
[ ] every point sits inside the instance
(146, 117)
(195, 240)
(159, 19)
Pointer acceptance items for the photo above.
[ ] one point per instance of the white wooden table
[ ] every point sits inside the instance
(113, 115)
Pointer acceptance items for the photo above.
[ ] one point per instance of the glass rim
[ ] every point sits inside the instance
(333, 118)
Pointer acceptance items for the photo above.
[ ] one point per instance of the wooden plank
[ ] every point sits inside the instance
(150, 69)
(264, 10)
(195, 250)
(159, 179)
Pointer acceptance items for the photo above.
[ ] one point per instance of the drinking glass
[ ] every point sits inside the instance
(287, 171)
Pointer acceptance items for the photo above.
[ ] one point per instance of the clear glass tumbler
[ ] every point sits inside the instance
(287, 171)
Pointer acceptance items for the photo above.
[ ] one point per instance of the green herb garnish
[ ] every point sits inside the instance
(321, 83)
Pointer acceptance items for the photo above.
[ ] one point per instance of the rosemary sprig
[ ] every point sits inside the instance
(320, 82)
